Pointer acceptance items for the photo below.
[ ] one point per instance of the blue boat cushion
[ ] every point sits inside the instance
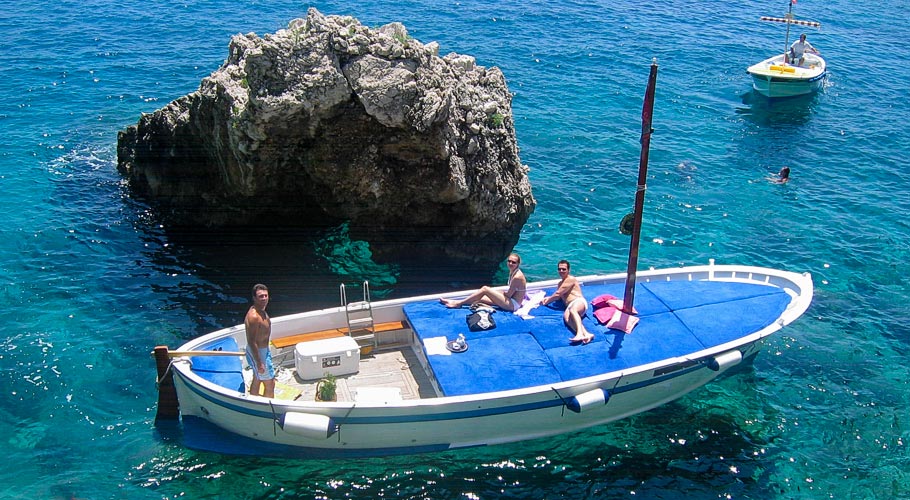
(712, 324)
(226, 371)
(677, 318)
(646, 303)
(495, 363)
(658, 337)
(677, 295)
(431, 319)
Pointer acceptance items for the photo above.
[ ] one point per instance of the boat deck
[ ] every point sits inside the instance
(382, 373)
(677, 319)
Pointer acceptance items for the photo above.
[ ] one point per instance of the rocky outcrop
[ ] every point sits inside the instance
(329, 120)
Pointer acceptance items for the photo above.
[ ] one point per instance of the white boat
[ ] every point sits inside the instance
(780, 76)
(774, 77)
(520, 380)
(404, 387)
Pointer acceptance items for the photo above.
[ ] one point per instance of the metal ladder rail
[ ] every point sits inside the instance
(359, 317)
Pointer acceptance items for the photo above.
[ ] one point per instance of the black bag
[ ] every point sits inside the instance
(481, 319)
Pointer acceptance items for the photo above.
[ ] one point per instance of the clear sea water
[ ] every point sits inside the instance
(90, 281)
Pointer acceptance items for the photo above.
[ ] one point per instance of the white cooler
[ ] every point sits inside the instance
(338, 356)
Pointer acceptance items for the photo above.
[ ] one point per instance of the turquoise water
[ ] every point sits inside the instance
(90, 281)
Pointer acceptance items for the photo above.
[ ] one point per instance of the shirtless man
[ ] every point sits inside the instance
(569, 292)
(509, 301)
(258, 328)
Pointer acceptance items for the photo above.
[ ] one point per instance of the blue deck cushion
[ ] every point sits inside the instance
(493, 364)
(226, 371)
(579, 361)
(677, 318)
(431, 319)
(657, 337)
(645, 302)
(679, 295)
(551, 331)
(715, 324)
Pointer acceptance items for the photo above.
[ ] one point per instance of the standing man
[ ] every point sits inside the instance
(258, 329)
(569, 292)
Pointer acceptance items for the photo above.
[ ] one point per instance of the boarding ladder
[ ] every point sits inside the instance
(360, 318)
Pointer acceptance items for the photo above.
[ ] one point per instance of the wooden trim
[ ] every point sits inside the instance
(291, 340)
(306, 337)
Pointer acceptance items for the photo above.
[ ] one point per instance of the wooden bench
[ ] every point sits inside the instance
(292, 340)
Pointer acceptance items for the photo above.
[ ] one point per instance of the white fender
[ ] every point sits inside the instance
(726, 360)
(586, 400)
(309, 425)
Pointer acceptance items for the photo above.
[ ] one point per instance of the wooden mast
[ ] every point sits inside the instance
(647, 111)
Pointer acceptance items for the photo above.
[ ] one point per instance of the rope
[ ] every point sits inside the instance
(164, 375)
(565, 404)
(168, 370)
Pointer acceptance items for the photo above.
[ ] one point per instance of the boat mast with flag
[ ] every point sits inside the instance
(783, 75)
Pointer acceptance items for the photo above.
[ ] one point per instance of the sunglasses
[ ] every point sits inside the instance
(513, 261)
(562, 269)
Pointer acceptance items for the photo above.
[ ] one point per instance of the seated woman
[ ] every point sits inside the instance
(508, 301)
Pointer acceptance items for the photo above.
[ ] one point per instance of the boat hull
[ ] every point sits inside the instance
(229, 421)
(774, 77)
(442, 425)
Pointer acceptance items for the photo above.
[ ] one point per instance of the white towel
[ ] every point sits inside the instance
(436, 346)
(531, 301)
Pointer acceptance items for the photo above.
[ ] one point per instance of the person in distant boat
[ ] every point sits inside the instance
(509, 301)
(569, 292)
(800, 47)
(258, 329)
(782, 177)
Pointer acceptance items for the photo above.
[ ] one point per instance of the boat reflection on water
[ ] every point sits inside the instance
(763, 111)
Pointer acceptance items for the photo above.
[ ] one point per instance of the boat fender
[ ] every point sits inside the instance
(587, 400)
(309, 425)
(726, 360)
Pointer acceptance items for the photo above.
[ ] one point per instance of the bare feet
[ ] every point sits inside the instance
(451, 304)
(584, 339)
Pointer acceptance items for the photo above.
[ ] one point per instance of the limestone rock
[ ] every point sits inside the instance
(329, 120)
